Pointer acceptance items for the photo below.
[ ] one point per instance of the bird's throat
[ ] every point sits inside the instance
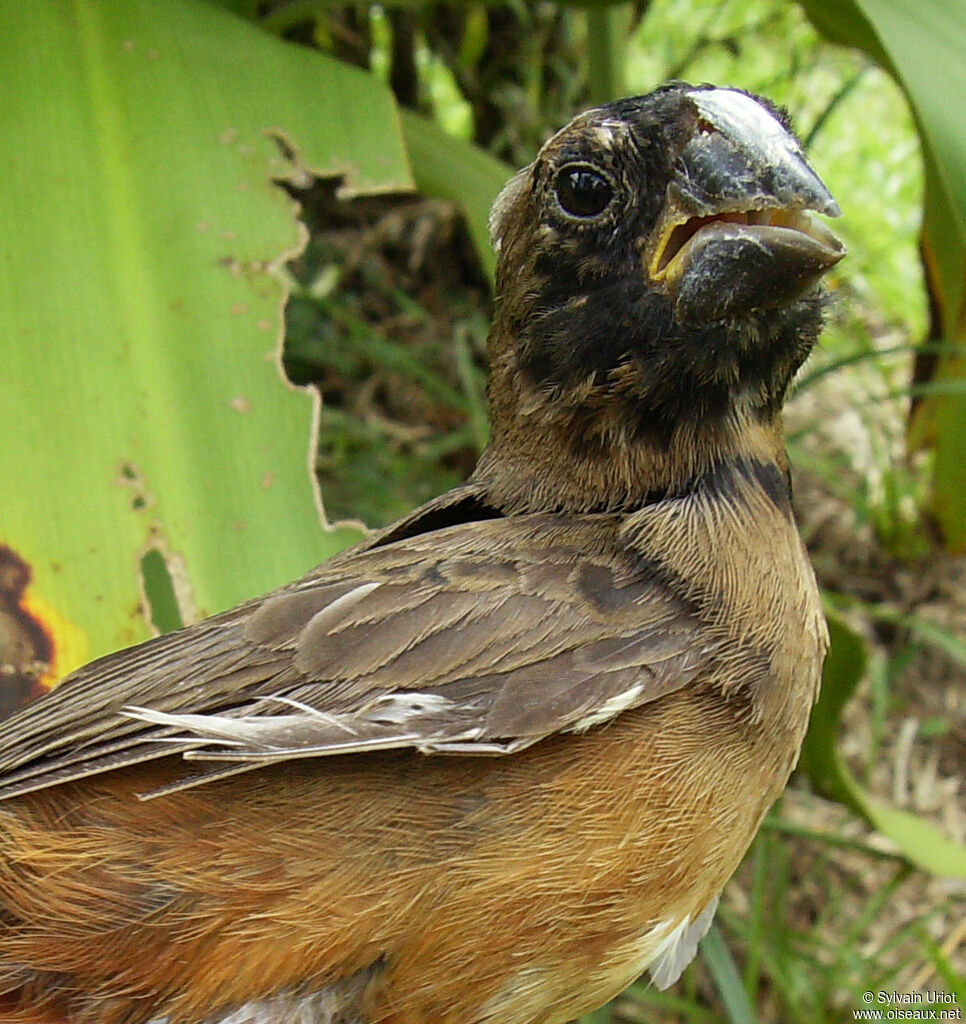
(534, 466)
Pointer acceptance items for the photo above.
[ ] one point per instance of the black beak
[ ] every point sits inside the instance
(737, 232)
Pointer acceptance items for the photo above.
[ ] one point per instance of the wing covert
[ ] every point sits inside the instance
(479, 638)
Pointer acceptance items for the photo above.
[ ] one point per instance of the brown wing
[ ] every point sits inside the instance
(479, 638)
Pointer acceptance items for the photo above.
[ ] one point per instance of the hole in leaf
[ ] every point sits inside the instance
(163, 611)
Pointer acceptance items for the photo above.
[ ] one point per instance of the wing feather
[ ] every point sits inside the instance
(482, 637)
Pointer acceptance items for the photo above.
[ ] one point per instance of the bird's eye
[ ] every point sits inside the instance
(582, 192)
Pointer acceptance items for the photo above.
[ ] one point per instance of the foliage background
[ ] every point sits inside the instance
(155, 462)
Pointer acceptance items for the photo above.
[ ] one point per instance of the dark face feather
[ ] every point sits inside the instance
(582, 321)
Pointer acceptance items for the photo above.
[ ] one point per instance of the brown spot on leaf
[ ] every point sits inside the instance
(26, 648)
(231, 265)
(129, 477)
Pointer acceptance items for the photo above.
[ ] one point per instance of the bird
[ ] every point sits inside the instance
(500, 758)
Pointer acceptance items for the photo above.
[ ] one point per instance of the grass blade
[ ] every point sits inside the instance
(721, 964)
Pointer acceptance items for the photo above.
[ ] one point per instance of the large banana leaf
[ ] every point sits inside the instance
(142, 408)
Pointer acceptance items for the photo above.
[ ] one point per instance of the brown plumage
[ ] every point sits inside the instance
(496, 761)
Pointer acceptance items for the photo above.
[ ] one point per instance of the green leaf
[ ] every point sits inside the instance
(940, 419)
(608, 29)
(845, 23)
(946, 413)
(918, 840)
(142, 406)
(844, 667)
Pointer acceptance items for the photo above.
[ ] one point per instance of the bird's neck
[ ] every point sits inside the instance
(545, 459)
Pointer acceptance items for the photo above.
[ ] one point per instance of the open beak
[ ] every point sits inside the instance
(738, 231)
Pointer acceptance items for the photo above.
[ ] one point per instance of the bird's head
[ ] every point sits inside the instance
(657, 277)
